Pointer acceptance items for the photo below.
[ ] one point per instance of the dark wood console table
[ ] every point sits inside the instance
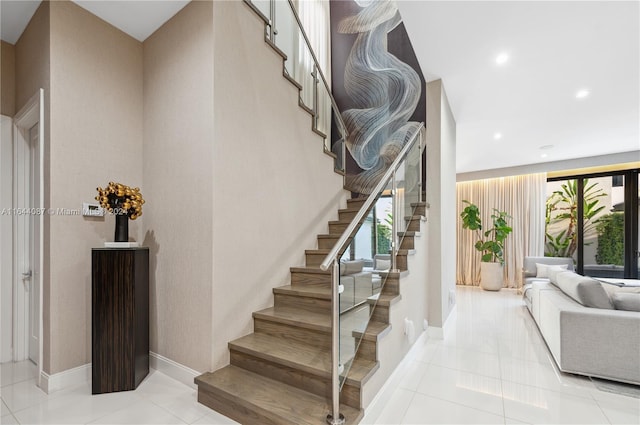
(120, 318)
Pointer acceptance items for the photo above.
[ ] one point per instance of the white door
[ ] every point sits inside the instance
(24, 244)
(28, 221)
(34, 254)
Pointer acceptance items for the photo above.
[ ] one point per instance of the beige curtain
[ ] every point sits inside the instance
(523, 198)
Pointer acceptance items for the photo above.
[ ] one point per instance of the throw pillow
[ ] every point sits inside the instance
(626, 301)
(553, 273)
(584, 290)
(542, 270)
(383, 264)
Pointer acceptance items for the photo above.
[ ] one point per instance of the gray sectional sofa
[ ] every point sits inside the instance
(590, 327)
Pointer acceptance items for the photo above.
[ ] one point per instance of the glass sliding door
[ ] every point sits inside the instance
(603, 231)
(594, 220)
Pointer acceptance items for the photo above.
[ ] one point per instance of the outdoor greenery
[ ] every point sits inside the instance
(383, 230)
(610, 230)
(491, 242)
(562, 207)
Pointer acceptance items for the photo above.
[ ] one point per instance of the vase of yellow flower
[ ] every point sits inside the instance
(123, 201)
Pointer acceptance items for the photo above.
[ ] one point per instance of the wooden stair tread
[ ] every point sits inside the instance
(279, 402)
(394, 275)
(410, 234)
(311, 291)
(314, 270)
(305, 357)
(317, 251)
(384, 300)
(375, 331)
(406, 251)
(296, 317)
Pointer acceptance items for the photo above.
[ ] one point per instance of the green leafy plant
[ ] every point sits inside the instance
(610, 230)
(490, 243)
(562, 207)
(383, 228)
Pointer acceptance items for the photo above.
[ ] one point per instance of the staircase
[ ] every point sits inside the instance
(281, 373)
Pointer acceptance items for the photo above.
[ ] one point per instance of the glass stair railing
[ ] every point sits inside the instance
(285, 31)
(366, 255)
(377, 230)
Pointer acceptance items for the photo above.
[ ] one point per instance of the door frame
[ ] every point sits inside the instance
(31, 114)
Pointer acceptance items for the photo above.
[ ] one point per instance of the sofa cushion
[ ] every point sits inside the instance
(627, 301)
(542, 270)
(586, 291)
(351, 267)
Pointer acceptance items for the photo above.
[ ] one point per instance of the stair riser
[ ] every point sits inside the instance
(414, 226)
(309, 382)
(306, 303)
(314, 260)
(355, 203)
(380, 314)
(401, 262)
(337, 228)
(391, 287)
(282, 330)
(230, 407)
(408, 243)
(327, 243)
(368, 350)
(420, 210)
(310, 279)
(346, 215)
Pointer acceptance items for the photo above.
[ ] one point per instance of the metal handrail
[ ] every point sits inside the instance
(345, 133)
(342, 242)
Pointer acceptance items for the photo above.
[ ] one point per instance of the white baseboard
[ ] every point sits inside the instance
(66, 379)
(82, 374)
(374, 410)
(439, 333)
(173, 369)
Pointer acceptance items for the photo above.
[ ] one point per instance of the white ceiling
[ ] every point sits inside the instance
(555, 48)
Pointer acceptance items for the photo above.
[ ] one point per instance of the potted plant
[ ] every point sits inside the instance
(490, 243)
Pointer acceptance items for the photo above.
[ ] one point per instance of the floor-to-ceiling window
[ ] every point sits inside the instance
(594, 219)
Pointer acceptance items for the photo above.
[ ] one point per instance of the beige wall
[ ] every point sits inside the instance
(178, 176)
(32, 69)
(441, 195)
(7, 79)
(96, 137)
(273, 185)
(237, 185)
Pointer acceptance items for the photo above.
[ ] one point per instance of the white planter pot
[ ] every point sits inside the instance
(491, 276)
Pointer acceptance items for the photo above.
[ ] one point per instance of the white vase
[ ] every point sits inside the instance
(491, 276)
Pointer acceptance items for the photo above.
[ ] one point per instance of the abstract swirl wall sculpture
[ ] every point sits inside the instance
(378, 93)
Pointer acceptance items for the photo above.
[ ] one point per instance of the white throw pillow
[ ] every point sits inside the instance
(383, 264)
(542, 270)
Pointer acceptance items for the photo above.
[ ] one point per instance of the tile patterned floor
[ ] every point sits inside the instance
(492, 367)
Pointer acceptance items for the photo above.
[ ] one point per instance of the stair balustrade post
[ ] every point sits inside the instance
(394, 225)
(335, 418)
(314, 74)
(272, 21)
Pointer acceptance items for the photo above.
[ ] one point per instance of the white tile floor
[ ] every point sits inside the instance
(493, 367)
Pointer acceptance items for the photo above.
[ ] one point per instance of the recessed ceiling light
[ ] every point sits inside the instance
(502, 58)
(497, 136)
(582, 93)
(544, 155)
